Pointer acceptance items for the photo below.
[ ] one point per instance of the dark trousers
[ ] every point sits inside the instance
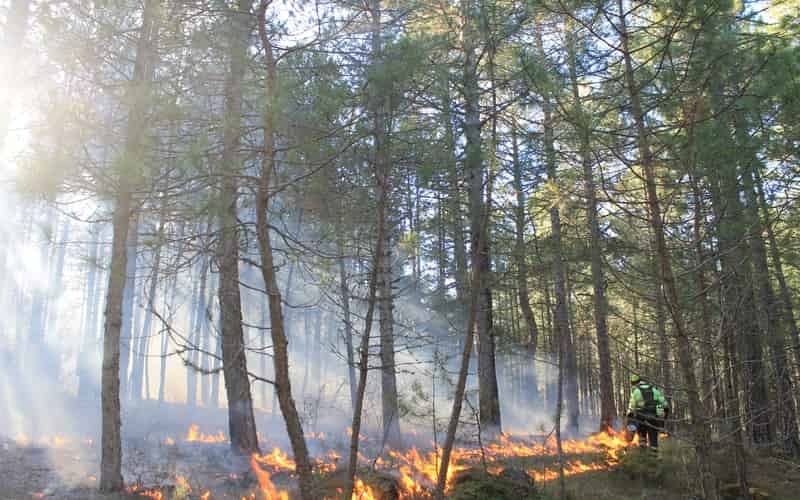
(648, 427)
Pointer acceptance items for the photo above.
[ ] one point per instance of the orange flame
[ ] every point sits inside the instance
(363, 491)
(265, 482)
(278, 460)
(194, 435)
(137, 489)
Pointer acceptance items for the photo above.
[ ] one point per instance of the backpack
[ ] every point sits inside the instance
(650, 402)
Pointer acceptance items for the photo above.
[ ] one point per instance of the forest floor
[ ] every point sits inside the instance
(159, 458)
(66, 470)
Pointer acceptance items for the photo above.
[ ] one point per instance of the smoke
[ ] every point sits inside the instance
(51, 347)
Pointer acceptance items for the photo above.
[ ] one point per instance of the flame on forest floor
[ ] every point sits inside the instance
(277, 459)
(265, 481)
(137, 489)
(194, 435)
(362, 491)
(418, 471)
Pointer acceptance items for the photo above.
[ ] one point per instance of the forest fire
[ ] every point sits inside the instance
(194, 435)
(265, 480)
(277, 459)
(416, 471)
(137, 489)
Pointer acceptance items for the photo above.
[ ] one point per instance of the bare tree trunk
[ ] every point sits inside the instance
(520, 254)
(698, 427)
(769, 315)
(582, 122)
(348, 325)
(777, 263)
(128, 300)
(661, 321)
(195, 334)
(111, 455)
(708, 368)
(363, 351)
(389, 401)
(87, 379)
(217, 341)
(168, 300)
(562, 345)
(279, 342)
(461, 383)
(143, 347)
(210, 344)
(559, 273)
(441, 254)
(488, 397)
(111, 439)
(241, 420)
(454, 202)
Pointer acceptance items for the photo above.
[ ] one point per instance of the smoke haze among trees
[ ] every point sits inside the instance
(422, 221)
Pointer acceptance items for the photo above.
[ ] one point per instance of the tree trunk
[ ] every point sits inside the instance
(488, 397)
(209, 343)
(769, 316)
(344, 288)
(129, 297)
(389, 401)
(454, 202)
(169, 294)
(143, 347)
(699, 429)
(777, 263)
(461, 383)
(520, 255)
(241, 420)
(363, 351)
(708, 369)
(195, 334)
(87, 378)
(661, 322)
(607, 410)
(279, 342)
(111, 439)
(559, 274)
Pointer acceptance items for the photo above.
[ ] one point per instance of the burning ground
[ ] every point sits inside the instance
(197, 464)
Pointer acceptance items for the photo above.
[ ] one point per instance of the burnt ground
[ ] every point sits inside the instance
(51, 467)
(35, 471)
(67, 469)
(56, 454)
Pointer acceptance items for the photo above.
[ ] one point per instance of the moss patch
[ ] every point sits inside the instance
(511, 484)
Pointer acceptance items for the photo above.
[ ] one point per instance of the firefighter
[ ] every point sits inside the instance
(648, 409)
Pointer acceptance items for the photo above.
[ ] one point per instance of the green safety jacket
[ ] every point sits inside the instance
(647, 400)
